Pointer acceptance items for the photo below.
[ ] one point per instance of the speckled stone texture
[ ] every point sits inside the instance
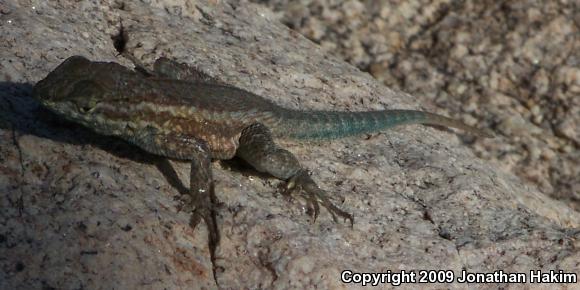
(82, 211)
(511, 65)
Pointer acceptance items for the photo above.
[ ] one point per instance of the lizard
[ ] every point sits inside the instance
(178, 112)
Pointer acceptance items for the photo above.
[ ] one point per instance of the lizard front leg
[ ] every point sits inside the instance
(201, 190)
(201, 200)
(258, 149)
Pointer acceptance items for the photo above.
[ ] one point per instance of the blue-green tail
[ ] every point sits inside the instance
(331, 125)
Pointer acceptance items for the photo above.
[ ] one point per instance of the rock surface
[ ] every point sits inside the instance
(511, 65)
(82, 211)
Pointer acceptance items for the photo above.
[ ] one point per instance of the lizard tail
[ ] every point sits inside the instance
(332, 125)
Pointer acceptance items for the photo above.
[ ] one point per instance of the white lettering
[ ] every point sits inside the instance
(374, 279)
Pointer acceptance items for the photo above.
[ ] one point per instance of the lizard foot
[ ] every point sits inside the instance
(201, 206)
(314, 195)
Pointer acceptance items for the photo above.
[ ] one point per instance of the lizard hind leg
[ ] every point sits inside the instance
(259, 150)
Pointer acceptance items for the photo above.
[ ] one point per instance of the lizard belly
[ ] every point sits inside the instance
(221, 138)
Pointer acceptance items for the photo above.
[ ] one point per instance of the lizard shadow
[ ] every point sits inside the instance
(24, 115)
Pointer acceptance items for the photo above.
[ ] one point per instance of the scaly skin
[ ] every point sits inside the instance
(181, 113)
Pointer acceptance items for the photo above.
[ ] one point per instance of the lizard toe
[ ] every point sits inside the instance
(315, 196)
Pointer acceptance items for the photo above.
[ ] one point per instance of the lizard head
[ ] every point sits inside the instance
(84, 92)
(88, 93)
(68, 90)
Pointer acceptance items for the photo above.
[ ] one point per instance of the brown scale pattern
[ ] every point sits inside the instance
(211, 112)
(221, 136)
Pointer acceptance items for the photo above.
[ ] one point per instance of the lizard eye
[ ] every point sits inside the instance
(86, 105)
(85, 95)
(85, 109)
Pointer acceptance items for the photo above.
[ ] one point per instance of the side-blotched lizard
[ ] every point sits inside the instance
(181, 113)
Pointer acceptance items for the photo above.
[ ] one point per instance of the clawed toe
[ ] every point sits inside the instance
(202, 210)
(206, 214)
(313, 207)
(314, 195)
(202, 207)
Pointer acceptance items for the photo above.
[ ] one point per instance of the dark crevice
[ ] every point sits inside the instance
(427, 216)
(120, 39)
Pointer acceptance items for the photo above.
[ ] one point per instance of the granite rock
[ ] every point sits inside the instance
(86, 211)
